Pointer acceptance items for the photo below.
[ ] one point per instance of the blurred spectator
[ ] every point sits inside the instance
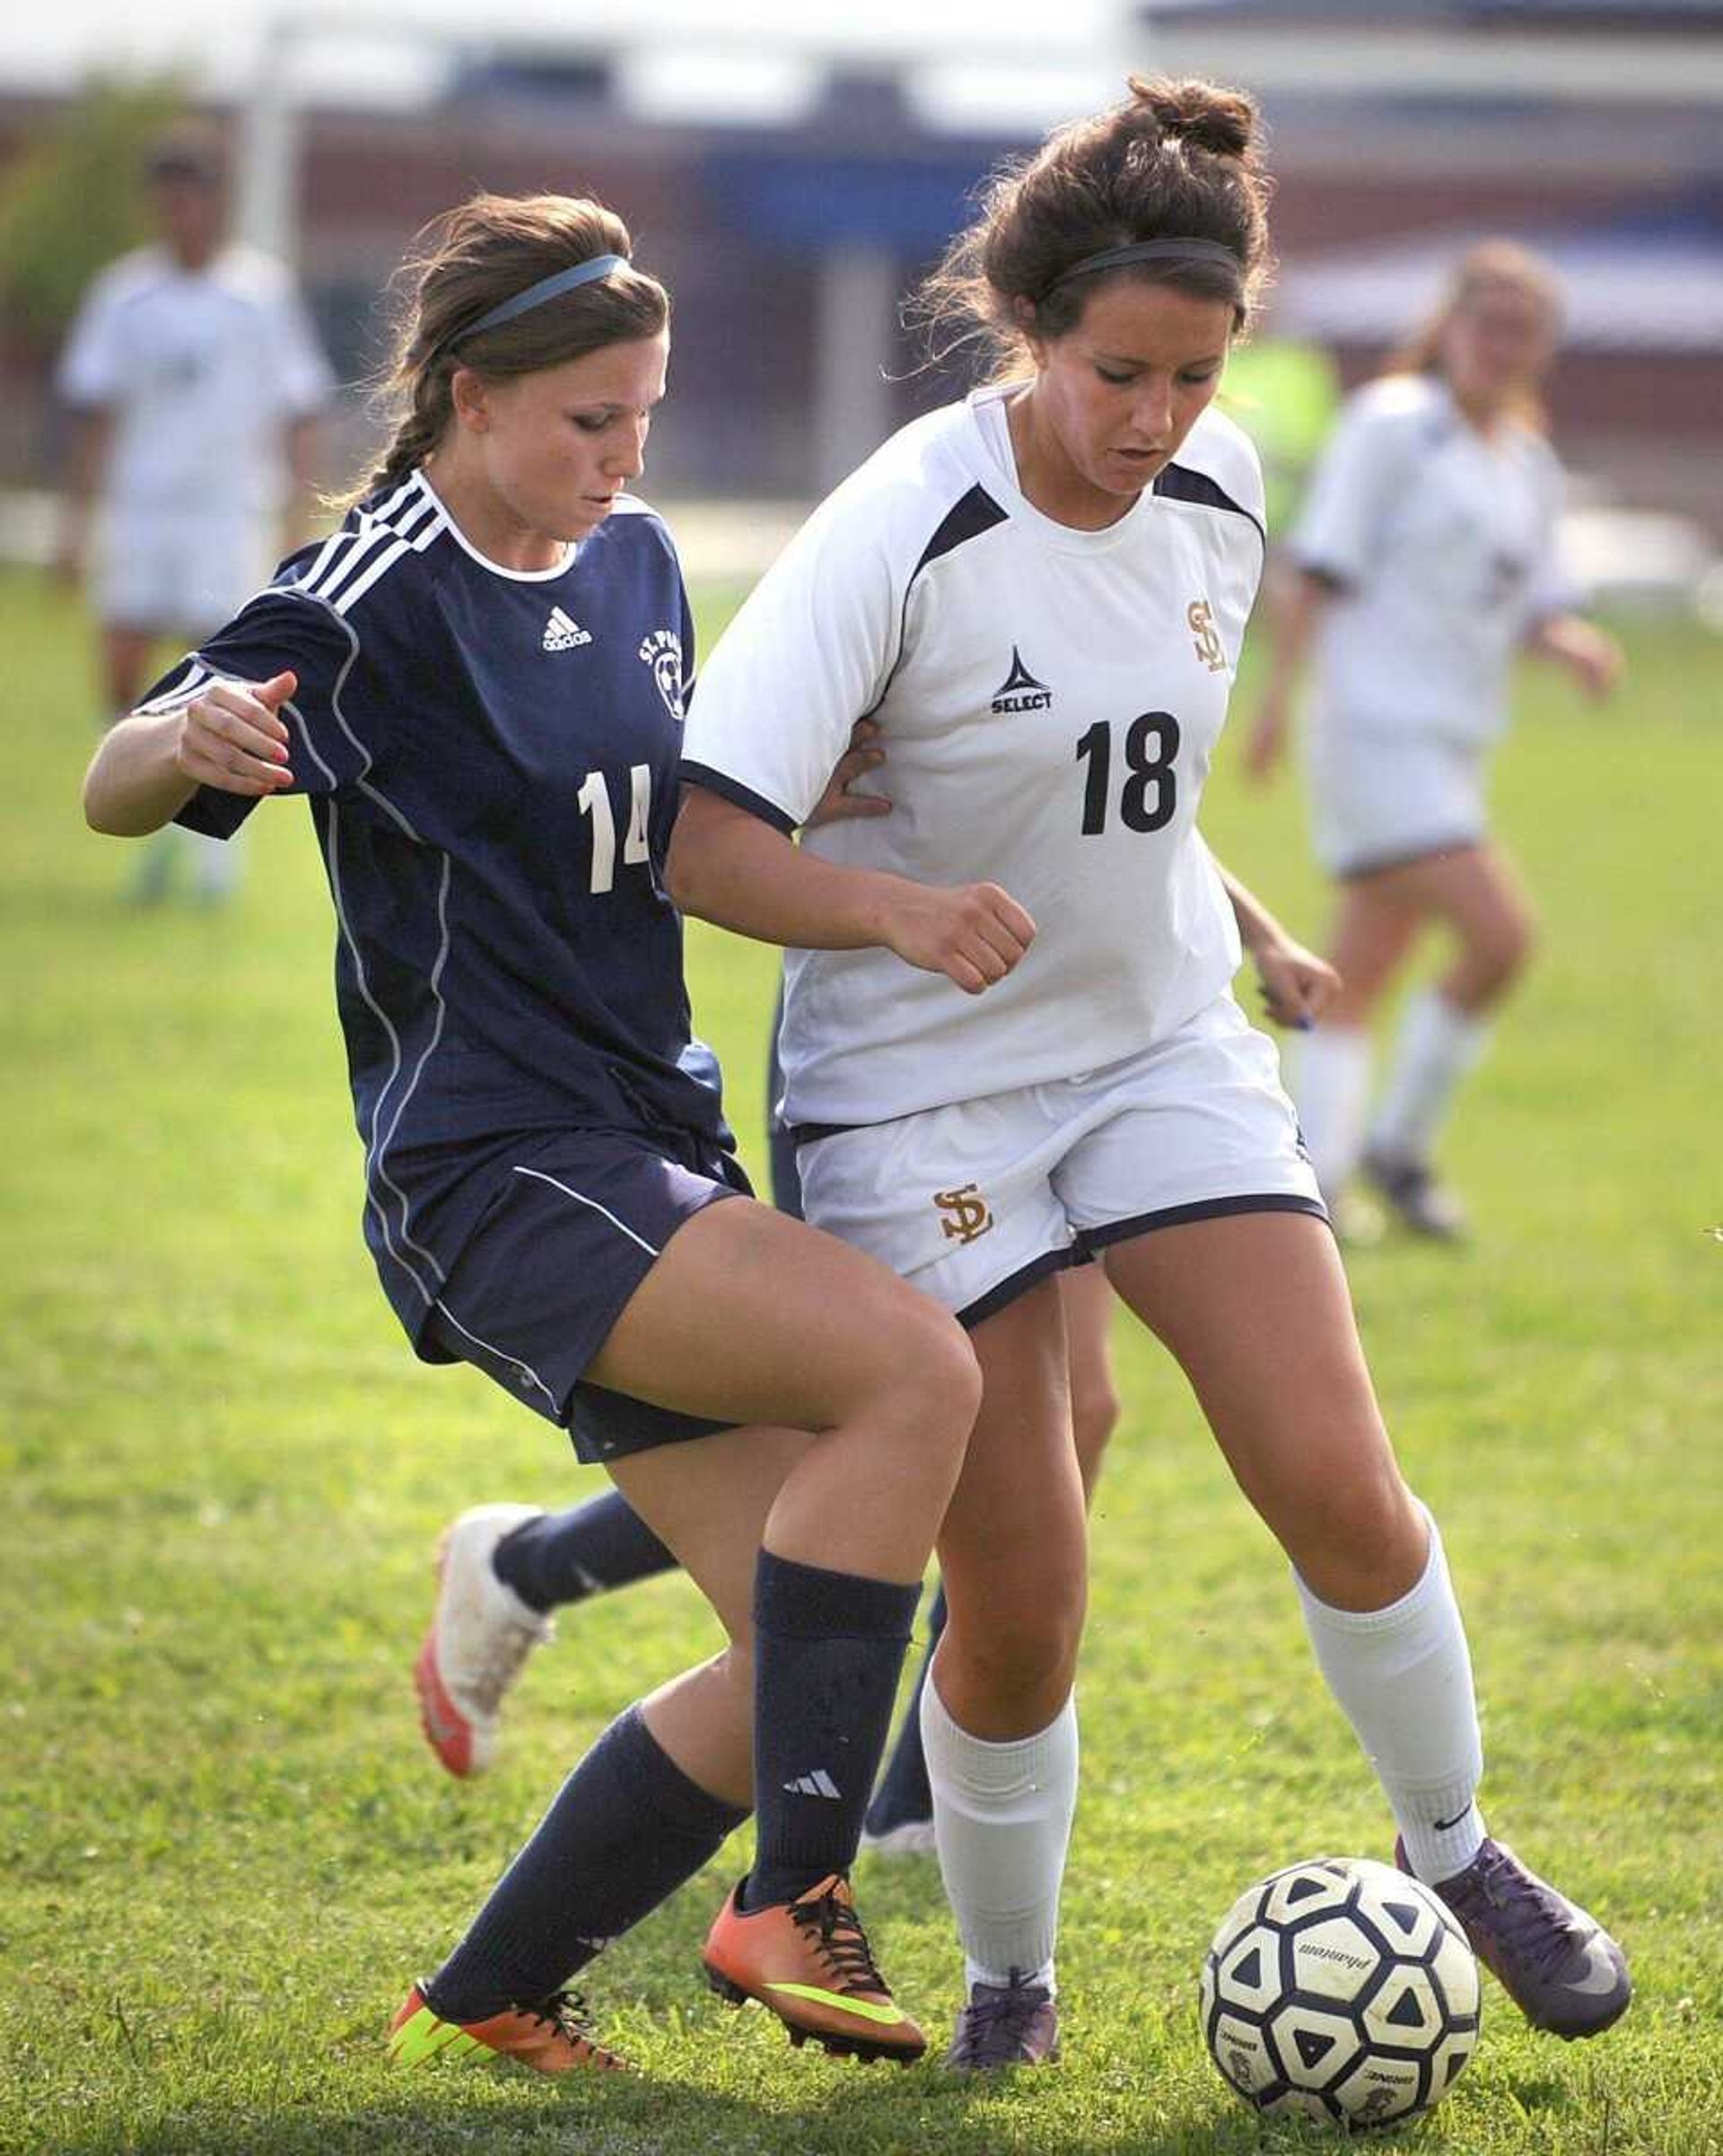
(195, 383)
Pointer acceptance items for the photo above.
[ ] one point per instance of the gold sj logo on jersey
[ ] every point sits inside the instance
(1200, 615)
(966, 1212)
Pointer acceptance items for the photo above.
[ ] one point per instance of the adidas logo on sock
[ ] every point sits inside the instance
(818, 1783)
(562, 634)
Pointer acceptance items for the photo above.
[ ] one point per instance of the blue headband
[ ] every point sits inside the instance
(548, 288)
(1150, 250)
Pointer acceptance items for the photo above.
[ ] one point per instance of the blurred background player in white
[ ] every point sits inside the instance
(1040, 594)
(196, 385)
(1424, 562)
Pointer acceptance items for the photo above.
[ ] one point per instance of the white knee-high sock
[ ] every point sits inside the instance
(1403, 1677)
(1333, 1089)
(1001, 1817)
(1438, 1044)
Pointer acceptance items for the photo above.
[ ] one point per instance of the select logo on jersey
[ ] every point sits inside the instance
(561, 633)
(1020, 691)
(966, 1213)
(1200, 615)
(662, 651)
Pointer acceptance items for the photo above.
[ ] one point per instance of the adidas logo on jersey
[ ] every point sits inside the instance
(818, 1783)
(562, 634)
(1020, 691)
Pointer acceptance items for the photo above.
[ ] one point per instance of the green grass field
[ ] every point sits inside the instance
(223, 1849)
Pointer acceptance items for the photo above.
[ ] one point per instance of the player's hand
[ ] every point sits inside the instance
(1590, 654)
(973, 934)
(837, 804)
(232, 737)
(1296, 986)
(1266, 744)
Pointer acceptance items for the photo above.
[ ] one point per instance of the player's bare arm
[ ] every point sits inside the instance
(1296, 985)
(148, 766)
(1590, 654)
(729, 867)
(1296, 600)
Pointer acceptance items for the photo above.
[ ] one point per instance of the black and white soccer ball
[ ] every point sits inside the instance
(1342, 1990)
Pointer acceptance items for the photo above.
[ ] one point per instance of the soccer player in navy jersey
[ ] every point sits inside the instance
(477, 682)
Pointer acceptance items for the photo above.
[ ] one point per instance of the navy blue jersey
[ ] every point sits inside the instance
(491, 758)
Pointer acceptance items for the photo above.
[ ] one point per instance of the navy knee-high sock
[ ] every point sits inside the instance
(903, 1793)
(562, 1557)
(827, 1648)
(626, 1829)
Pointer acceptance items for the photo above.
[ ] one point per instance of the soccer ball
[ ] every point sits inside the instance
(1342, 1990)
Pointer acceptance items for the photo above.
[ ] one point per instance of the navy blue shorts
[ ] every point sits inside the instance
(575, 1225)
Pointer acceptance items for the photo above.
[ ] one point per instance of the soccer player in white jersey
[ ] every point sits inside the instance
(1009, 1038)
(1425, 562)
(478, 682)
(196, 385)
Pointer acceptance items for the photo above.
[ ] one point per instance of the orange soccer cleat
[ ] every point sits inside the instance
(809, 1962)
(551, 2038)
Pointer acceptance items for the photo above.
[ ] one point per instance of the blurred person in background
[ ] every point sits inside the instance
(195, 386)
(1424, 562)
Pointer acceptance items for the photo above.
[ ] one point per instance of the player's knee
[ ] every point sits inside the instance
(1362, 1536)
(1501, 956)
(732, 1671)
(1519, 942)
(1028, 1649)
(1094, 1417)
(1033, 1667)
(928, 1362)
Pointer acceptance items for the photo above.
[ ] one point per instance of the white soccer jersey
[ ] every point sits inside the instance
(1049, 701)
(1442, 544)
(202, 370)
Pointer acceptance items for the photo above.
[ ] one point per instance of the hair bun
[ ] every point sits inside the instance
(1200, 113)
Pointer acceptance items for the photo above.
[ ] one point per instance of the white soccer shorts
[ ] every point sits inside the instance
(974, 1202)
(180, 575)
(1379, 800)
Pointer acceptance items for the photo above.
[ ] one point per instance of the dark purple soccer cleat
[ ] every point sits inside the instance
(1012, 2024)
(1411, 1192)
(1557, 1964)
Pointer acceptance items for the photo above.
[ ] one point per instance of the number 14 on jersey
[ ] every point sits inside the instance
(594, 798)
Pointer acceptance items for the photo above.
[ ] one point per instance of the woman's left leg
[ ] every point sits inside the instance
(1474, 893)
(900, 1819)
(1254, 1308)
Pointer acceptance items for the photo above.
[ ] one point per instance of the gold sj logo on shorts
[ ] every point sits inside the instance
(966, 1212)
(1200, 615)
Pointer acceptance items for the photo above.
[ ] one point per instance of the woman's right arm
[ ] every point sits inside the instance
(148, 765)
(729, 865)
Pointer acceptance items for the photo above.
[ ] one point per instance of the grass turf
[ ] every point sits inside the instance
(223, 1850)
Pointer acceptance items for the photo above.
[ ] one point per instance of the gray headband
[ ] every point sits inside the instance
(1150, 250)
(552, 288)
